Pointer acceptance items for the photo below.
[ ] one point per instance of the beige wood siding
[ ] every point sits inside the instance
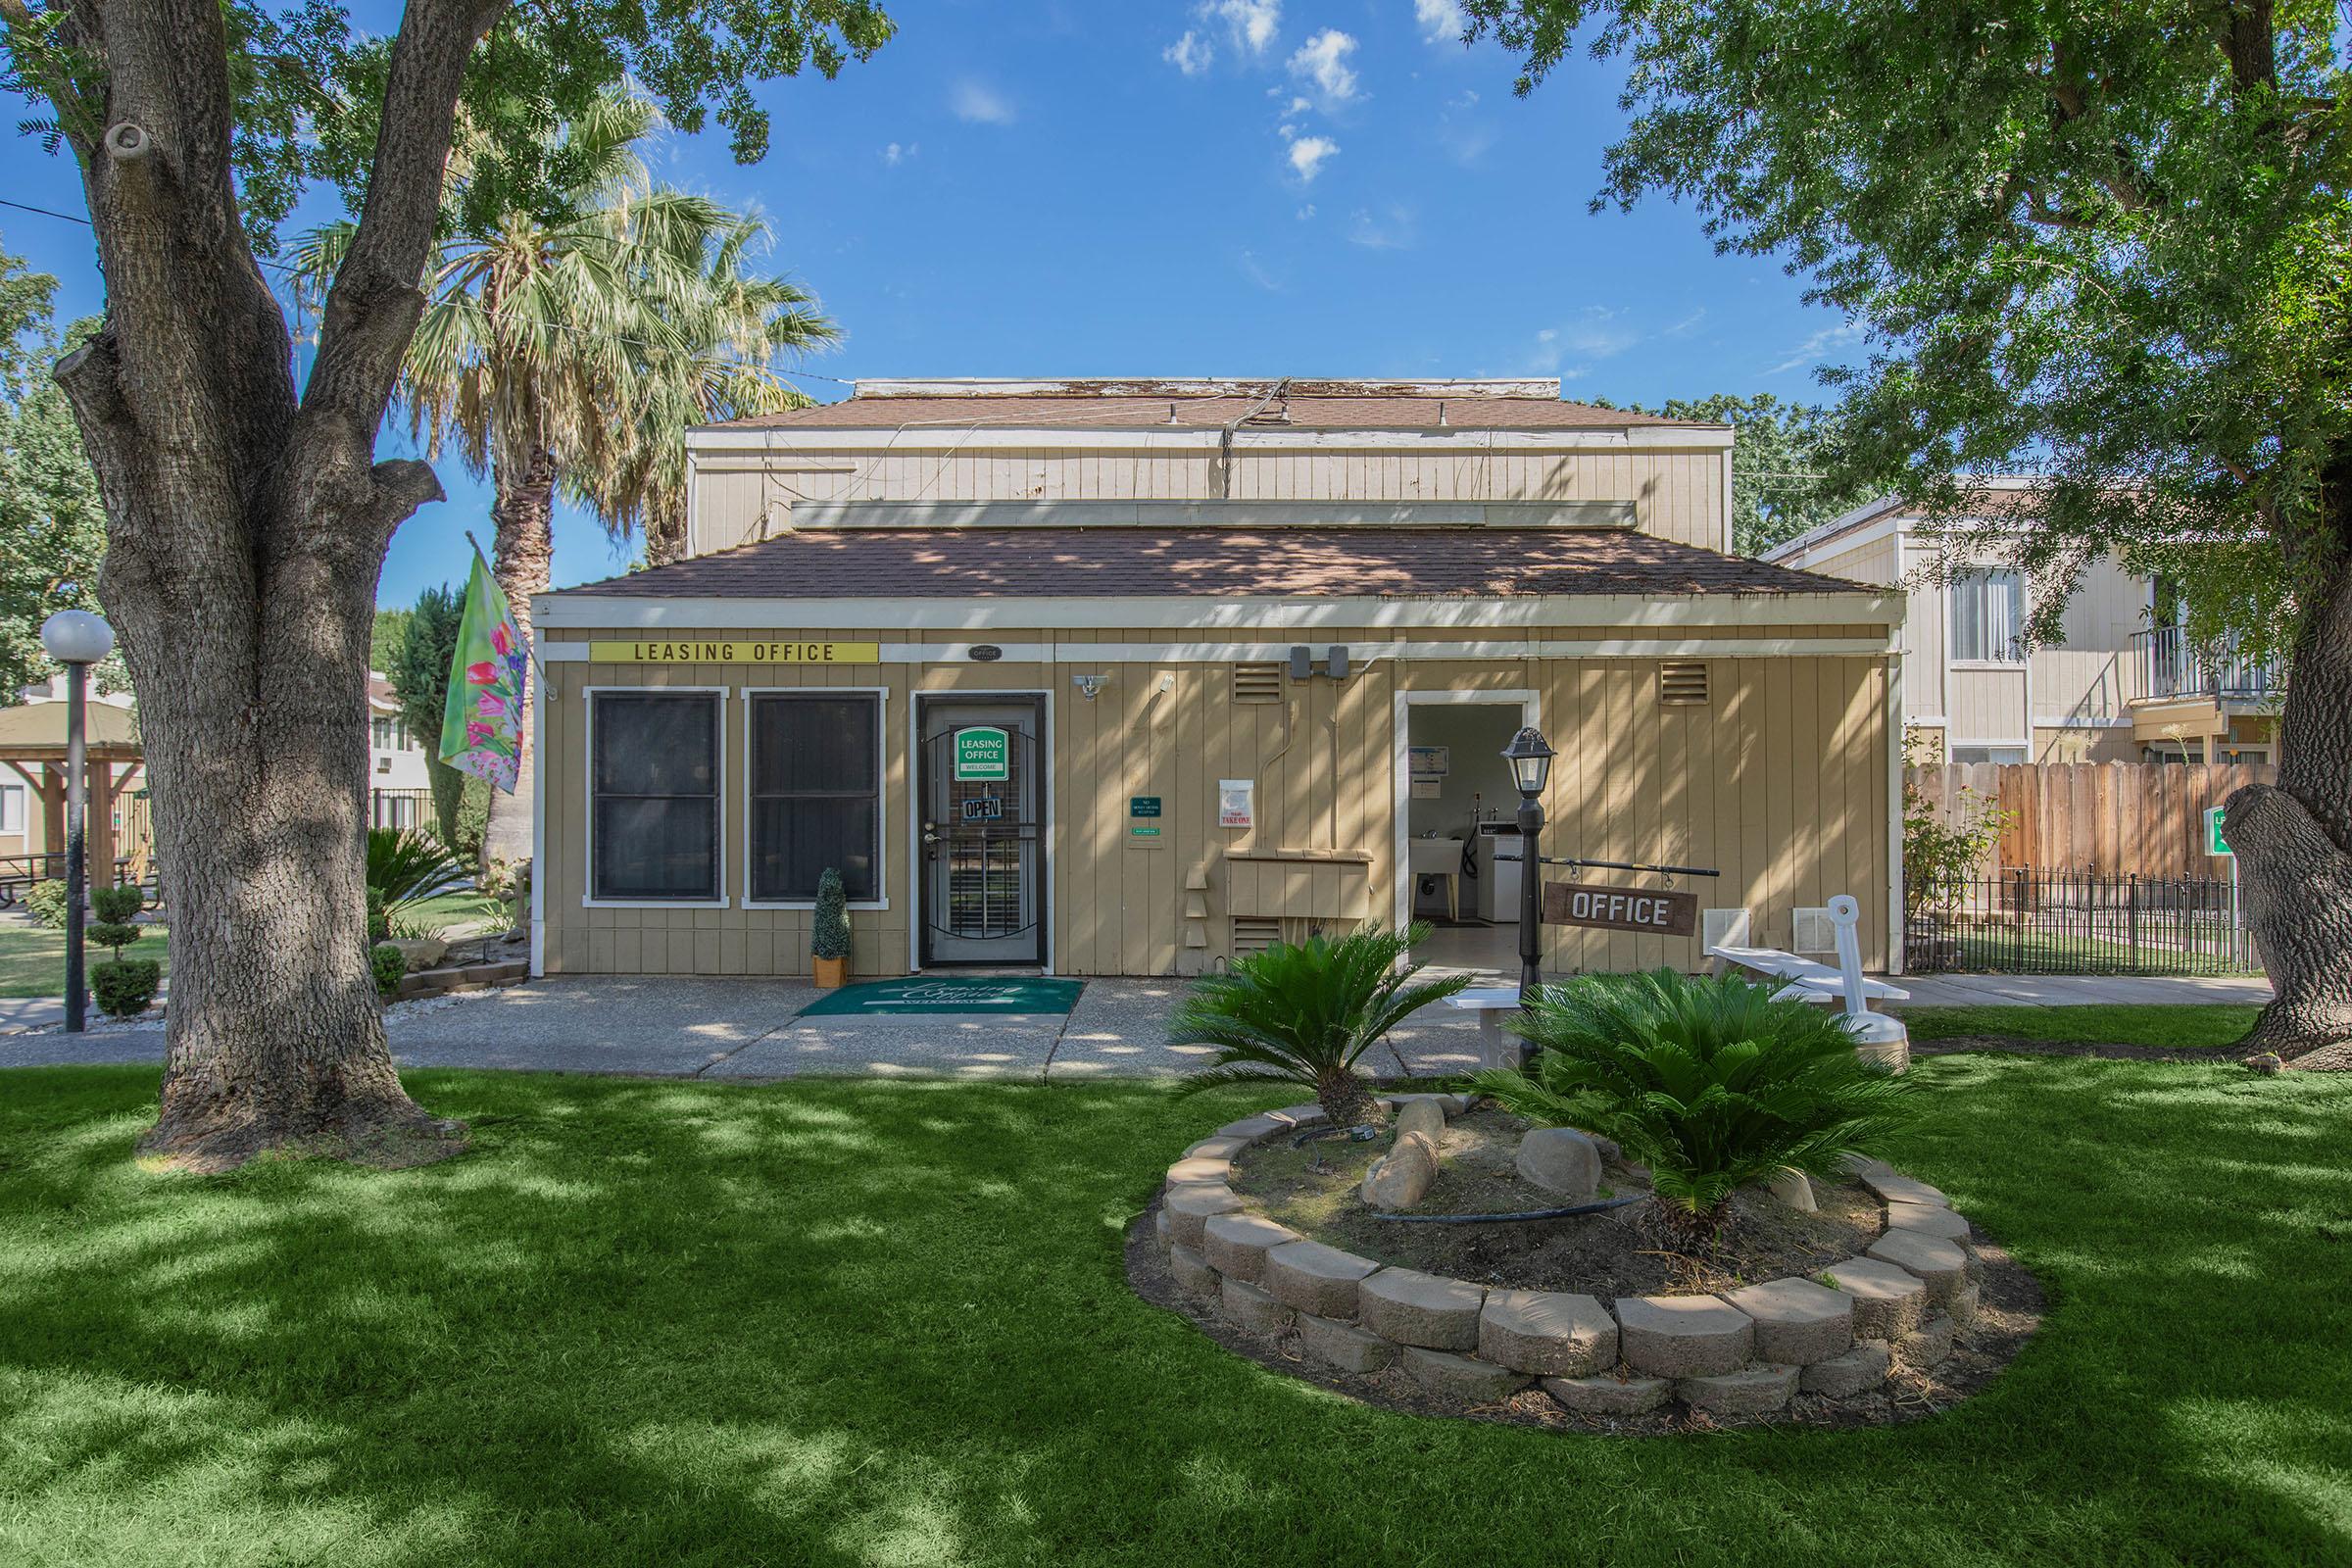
(1779, 782)
(740, 497)
(1880, 560)
(1987, 707)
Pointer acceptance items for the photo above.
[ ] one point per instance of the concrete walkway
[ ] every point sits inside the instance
(2081, 991)
(749, 1030)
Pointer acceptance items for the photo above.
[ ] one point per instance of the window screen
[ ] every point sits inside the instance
(656, 784)
(815, 793)
(1988, 611)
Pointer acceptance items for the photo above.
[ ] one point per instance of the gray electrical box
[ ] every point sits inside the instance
(1303, 663)
(1337, 664)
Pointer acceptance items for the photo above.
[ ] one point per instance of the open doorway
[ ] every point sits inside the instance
(1458, 836)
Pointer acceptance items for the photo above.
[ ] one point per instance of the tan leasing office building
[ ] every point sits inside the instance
(1126, 678)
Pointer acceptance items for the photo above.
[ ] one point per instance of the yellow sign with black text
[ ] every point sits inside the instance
(733, 650)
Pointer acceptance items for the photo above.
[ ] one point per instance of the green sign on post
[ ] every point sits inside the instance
(2215, 844)
(983, 754)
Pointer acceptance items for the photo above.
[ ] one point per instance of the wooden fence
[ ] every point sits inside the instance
(2116, 819)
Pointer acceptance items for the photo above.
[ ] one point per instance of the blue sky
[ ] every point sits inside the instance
(1242, 187)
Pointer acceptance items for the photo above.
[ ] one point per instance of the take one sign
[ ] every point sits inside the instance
(983, 754)
(1644, 910)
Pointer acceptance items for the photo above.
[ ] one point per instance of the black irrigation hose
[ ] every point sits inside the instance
(1508, 1219)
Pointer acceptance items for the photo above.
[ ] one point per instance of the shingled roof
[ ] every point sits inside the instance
(1382, 561)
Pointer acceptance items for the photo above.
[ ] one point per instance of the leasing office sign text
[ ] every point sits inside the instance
(733, 650)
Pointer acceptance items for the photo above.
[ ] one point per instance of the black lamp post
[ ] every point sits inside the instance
(1530, 756)
(76, 639)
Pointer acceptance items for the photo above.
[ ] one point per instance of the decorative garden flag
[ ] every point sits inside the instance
(481, 721)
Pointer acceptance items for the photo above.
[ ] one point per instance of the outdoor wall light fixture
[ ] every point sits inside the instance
(1530, 756)
(76, 639)
(1089, 686)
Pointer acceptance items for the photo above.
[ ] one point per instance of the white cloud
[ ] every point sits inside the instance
(896, 154)
(1306, 212)
(1190, 53)
(1323, 60)
(1815, 348)
(1308, 154)
(979, 104)
(1251, 24)
(1598, 332)
(1391, 229)
(1254, 269)
(1298, 106)
(1440, 20)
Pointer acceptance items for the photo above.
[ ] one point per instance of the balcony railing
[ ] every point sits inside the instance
(2171, 667)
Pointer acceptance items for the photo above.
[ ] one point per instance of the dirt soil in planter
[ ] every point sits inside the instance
(1313, 1187)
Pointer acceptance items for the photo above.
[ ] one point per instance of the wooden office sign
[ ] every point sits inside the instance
(1646, 910)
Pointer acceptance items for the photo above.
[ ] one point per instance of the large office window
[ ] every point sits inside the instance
(815, 793)
(1989, 615)
(654, 778)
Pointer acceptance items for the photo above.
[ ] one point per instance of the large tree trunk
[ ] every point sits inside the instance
(523, 558)
(2294, 841)
(246, 528)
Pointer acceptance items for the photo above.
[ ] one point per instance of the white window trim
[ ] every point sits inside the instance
(718, 845)
(881, 696)
(1951, 618)
(13, 822)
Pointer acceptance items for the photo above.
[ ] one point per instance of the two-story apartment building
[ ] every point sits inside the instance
(2120, 683)
(1132, 677)
(396, 785)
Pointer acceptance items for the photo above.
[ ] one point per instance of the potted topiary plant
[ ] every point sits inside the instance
(123, 986)
(829, 933)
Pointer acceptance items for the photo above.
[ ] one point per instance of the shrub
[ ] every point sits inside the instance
(45, 901)
(388, 963)
(1304, 1015)
(406, 866)
(1940, 860)
(829, 927)
(380, 920)
(124, 987)
(1710, 1083)
(117, 908)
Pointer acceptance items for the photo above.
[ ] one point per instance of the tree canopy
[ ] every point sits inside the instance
(52, 525)
(1787, 472)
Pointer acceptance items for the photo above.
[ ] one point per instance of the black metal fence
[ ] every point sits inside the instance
(2029, 921)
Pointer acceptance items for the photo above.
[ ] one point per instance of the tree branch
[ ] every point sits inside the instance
(371, 310)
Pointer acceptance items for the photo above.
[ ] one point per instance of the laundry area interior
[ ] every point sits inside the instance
(1461, 812)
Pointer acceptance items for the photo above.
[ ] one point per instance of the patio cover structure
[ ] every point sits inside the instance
(32, 744)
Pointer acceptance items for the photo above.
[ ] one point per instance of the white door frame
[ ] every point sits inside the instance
(1530, 711)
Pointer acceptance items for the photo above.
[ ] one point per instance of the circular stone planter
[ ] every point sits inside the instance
(1927, 1313)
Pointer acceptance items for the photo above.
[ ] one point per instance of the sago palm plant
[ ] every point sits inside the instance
(1710, 1083)
(1304, 1013)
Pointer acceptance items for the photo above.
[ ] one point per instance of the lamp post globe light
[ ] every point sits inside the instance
(76, 639)
(1530, 756)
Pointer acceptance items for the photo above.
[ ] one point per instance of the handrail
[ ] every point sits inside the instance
(2170, 665)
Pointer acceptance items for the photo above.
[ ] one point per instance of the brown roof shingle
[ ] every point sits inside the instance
(1063, 411)
(1381, 561)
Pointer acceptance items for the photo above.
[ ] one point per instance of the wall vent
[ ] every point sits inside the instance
(1255, 933)
(1682, 681)
(1258, 683)
(1811, 930)
(1724, 928)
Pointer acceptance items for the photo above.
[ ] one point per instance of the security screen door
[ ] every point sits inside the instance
(983, 794)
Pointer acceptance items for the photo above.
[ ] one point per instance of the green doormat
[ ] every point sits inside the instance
(940, 993)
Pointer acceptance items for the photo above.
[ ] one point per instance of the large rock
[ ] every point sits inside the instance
(1415, 1308)
(1236, 1244)
(1791, 1189)
(1940, 1264)
(421, 952)
(1476, 1381)
(1547, 1332)
(1343, 1345)
(1683, 1336)
(1562, 1161)
(1863, 1367)
(1609, 1394)
(1189, 1208)
(1315, 1278)
(1797, 1322)
(1888, 1302)
(1424, 1115)
(1401, 1177)
(1751, 1391)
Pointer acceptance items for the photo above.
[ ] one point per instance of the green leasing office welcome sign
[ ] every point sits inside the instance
(983, 754)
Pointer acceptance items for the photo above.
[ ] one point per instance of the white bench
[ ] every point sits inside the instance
(1876, 1036)
(1494, 1048)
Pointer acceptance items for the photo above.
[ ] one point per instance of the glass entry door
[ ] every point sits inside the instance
(983, 830)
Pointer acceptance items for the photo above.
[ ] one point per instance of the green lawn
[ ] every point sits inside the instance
(461, 911)
(2183, 1028)
(884, 1322)
(33, 958)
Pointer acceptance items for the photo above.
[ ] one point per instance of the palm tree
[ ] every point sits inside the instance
(560, 345)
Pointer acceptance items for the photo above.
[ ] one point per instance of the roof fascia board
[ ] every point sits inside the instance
(964, 437)
(1546, 388)
(1597, 515)
(591, 610)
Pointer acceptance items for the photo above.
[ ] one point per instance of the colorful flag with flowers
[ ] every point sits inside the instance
(482, 719)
